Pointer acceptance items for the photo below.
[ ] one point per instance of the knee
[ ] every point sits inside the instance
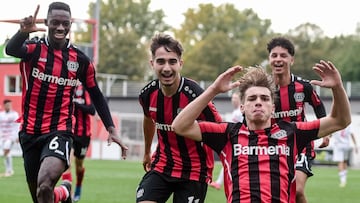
(300, 191)
(44, 189)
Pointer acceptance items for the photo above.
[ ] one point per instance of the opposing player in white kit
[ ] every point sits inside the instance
(341, 151)
(9, 129)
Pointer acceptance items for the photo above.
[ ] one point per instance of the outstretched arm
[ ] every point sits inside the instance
(340, 115)
(104, 112)
(185, 123)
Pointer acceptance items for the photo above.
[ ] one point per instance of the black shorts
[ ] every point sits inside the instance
(159, 187)
(36, 147)
(80, 146)
(304, 164)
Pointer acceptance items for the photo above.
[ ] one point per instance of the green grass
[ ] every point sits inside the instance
(116, 181)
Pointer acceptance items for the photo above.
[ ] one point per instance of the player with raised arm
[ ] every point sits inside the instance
(293, 93)
(51, 68)
(259, 156)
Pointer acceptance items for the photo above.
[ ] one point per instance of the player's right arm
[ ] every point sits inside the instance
(149, 131)
(185, 123)
(15, 46)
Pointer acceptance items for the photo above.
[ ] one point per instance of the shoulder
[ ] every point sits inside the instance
(35, 45)
(150, 87)
(304, 82)
(299, 79)
(81, 56)
(191, 87)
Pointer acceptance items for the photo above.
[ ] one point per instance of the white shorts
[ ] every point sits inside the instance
(7, 143)
(341, 154)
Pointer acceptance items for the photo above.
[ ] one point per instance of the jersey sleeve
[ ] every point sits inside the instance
(306, 132)
(314, 100)
(214, 134)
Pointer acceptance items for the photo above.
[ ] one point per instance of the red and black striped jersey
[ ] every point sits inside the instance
(175, 155)
(49, 77)
(82, 111)
(291, 101)
(259, 166)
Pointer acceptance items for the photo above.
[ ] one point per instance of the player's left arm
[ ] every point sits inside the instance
(339, 116)
(319, 110)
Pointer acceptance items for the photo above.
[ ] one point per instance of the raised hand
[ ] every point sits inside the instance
(28, 24)
(224, 83)
(330, 76)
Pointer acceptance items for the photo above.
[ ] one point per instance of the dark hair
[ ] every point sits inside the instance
(256, 77)
(7, 101)
(166, 41)
(59, 6)
(282, 42)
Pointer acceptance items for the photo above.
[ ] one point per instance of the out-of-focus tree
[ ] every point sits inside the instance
(216, 38)
(309, 45)
(125, 30)
(347, 58)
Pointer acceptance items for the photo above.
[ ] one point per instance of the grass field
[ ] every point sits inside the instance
(109, 181)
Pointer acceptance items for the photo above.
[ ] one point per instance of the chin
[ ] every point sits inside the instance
(167, 84)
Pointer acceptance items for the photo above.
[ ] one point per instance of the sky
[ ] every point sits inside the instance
(334, 17)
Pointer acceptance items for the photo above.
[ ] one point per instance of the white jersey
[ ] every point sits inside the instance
(342, 138)
(9, 128)
(236, 116)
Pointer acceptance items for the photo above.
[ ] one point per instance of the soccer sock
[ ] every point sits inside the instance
(8, 163)
(67, 176)
(342, 175)
(220, 179)
(80, 177)
(60, 193)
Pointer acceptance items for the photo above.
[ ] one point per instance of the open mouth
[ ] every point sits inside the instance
(59, 35)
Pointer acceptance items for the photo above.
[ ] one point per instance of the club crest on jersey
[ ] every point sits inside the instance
(299, 96)
(72, 66)
(278, 135)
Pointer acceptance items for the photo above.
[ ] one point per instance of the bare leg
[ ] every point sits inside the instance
(301, 179)
(50, 171)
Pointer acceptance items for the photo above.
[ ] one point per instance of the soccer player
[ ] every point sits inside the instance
(50, 69)
(83, 111)
(259, 157)
(292, 93)
(341, 151)
(9, 129)
(179, 166)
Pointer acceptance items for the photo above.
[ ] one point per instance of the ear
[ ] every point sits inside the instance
(242, 109)
(181, 62)
(151, 62)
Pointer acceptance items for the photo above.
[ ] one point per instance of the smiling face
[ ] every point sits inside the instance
(59, 24)
(280, 61)
(167, 66)
(258, 106)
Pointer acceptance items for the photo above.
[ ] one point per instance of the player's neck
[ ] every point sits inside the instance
(258, 125)
(282, 80)
(170, 90)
